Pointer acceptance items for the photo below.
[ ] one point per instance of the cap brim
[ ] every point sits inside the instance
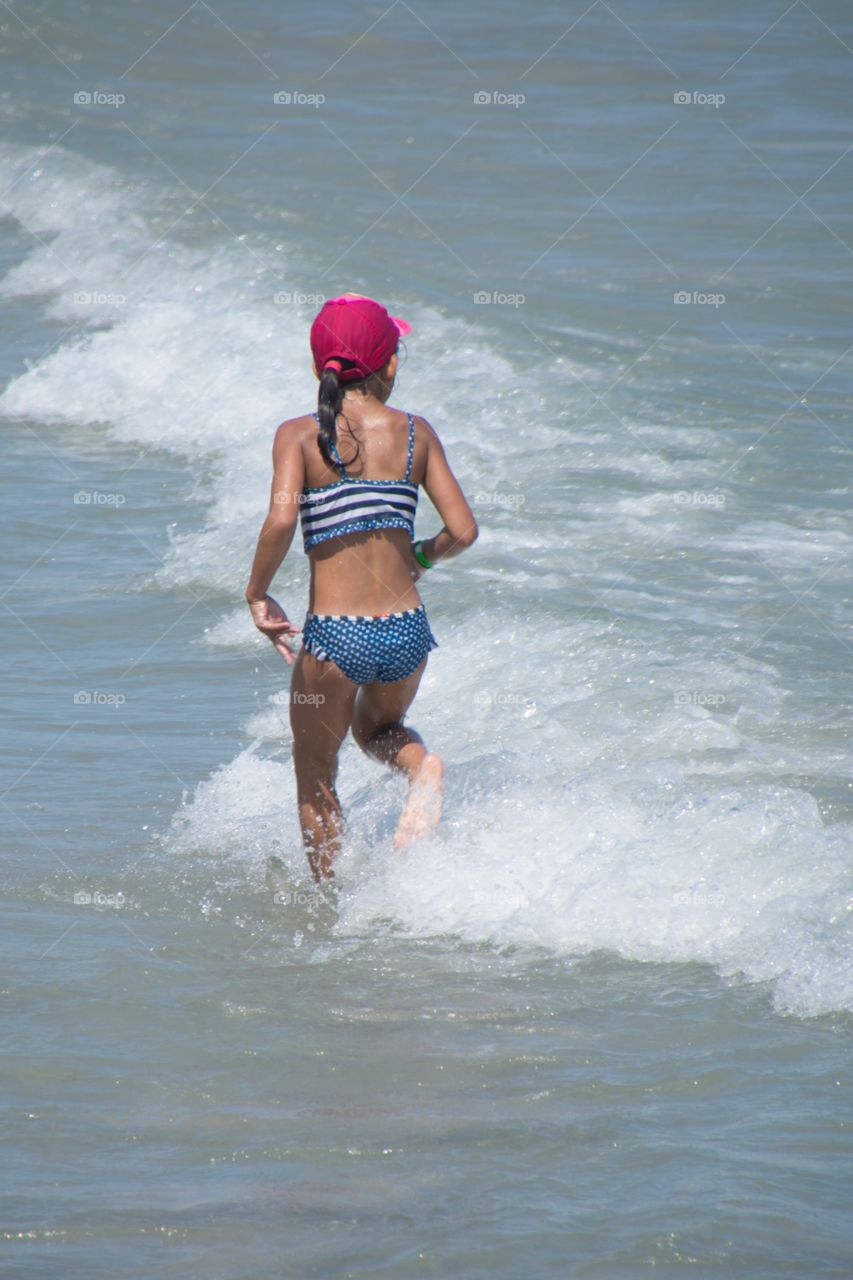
(403, 326)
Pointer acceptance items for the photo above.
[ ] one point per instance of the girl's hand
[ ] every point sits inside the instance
(269, 617)
(416, 568)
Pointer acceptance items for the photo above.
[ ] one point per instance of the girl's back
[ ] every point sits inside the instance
(372, 445)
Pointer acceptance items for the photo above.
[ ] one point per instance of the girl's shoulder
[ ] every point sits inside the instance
(295, 428)
(303, 422)
(420, 422)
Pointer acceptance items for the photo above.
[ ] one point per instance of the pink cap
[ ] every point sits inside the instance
(355, 329)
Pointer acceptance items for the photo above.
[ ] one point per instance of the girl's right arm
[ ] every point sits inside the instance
(276, 537)
(445, 493)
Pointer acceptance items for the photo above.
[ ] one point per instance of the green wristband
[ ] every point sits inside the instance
(418, 549)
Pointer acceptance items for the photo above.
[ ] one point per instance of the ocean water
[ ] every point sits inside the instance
(599, 1024)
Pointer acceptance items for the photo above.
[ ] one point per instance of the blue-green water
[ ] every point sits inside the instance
(599, 1025)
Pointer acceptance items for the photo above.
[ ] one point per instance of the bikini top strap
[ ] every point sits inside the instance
(411, 447)
(334, 449)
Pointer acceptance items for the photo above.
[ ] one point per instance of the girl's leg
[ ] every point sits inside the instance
(321, 708)
(377, 723)
(377, 726)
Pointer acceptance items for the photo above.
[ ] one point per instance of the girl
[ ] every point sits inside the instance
(353, 470)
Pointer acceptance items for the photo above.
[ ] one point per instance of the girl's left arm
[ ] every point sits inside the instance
(275, 538)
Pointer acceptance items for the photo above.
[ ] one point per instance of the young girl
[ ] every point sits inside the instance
(353, 470)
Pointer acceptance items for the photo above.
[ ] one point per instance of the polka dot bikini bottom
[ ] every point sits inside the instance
(369, 649)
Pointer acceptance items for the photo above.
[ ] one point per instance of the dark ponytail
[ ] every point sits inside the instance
(329, 400)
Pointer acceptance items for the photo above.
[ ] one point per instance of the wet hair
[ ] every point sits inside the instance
(329, 401)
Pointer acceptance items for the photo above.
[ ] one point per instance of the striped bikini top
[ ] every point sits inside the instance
(352, 505)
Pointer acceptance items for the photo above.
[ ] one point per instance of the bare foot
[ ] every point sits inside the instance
(422, 809)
